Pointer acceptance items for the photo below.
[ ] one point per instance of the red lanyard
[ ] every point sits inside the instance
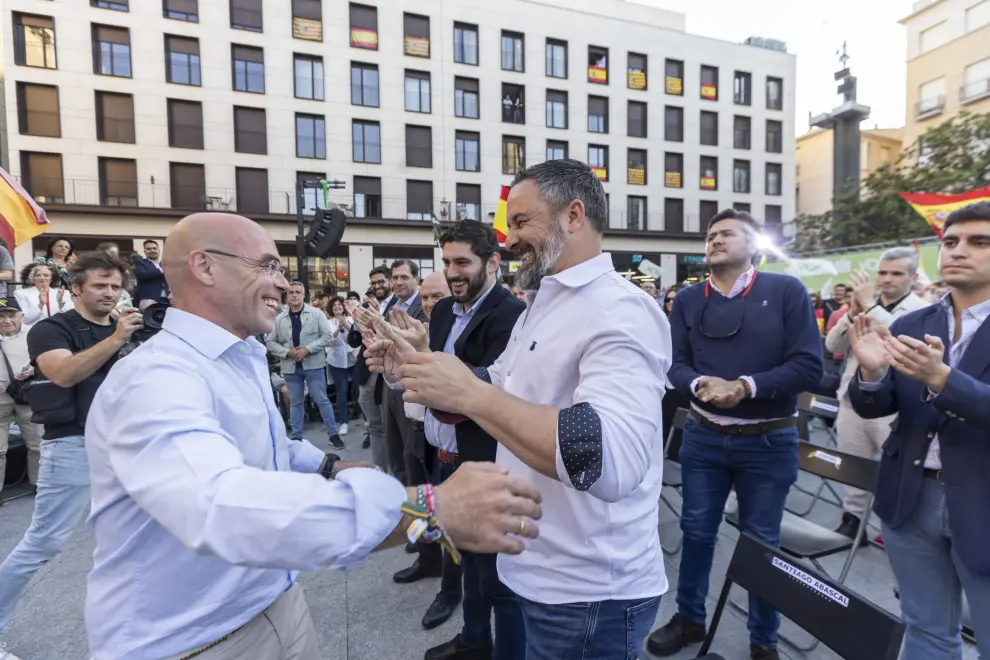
(48, 304)
(745, 291)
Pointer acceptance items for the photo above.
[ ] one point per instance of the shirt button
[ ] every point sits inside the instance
(931, 436)
(509, 373)
(917, 462)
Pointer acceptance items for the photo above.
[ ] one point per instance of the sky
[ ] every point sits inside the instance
(813, 31)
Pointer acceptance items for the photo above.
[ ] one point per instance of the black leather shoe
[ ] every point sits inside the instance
(336, 442)
(671, 638)
(411, 548)
(417, 572)
(849, 526)
(366, 443)
(761, 652)
(456, 650)
(441, 609)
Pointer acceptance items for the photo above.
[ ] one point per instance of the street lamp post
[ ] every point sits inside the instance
(301, 188)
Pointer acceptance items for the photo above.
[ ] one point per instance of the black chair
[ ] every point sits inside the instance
(840, 618)
(672, 467)
(811, 407)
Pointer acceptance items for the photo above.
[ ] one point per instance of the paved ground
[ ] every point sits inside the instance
(364, 615)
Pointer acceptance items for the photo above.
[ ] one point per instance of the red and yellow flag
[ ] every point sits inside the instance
(21, 219)
(500, 226)
(935, 208)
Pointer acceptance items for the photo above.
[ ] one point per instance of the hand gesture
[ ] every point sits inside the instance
(920, 360)
(864, 290)
(130, 320)
(24, 373)
(42, 299)
(364, 317)
(483, 509)
(722, 393)
(60, 296)
(867, 338)
(410, 329)
(439, 381)
(388, 351)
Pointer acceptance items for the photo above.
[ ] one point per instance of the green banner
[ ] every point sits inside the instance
(822, 273)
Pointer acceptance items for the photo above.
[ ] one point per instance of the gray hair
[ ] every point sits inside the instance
(563, 181)
(297, 283)
(902, 254)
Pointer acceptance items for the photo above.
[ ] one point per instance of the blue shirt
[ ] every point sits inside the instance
(199, 510)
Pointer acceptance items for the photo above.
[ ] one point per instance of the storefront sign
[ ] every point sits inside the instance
(820, 274)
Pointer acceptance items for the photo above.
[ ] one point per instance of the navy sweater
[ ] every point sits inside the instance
(778, 346)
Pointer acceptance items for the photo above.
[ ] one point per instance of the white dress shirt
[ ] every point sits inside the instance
(200, 513)
(338, 352)
(591, 339)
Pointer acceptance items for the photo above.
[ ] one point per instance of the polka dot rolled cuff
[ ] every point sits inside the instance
(482, 373)
(579, 433)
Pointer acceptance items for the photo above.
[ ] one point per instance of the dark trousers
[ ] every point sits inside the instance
(405, 444)
(450, 578)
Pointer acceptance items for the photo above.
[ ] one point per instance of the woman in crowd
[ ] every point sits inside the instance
(37, 297)
(353, 300)
(339, 357)
(668, 298)
(59, 255)
(816, 302)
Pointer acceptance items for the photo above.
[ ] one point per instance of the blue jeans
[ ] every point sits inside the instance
(932, 580)
(484, 592)
(605, 630)
(316, 381)
(60, 505)
(762, 468)
(341, 383)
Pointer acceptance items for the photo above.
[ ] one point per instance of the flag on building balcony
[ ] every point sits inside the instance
(499, 224)
(935, 208)
(21, 219)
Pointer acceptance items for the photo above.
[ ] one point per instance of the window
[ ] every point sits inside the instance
(250, 131)
(311, 136)
(556, 109)
(597, 114)
(116, 5)
(741, 206)
(367, 138)
(249, 69)
(775, 137)
(466, 97)
(307, 20)
(468, 202)
(556, 58)
(673, 215)
(513, 104)
(312, 197)
(34, 43)
(636, 173)
(976, 81)
(933, 37)
(37, 110)
(673, 170)
(466, 43)
(740, 176)
(513, 51)
(252, 190)
(775, 94)
(598, 160)
(636, 72)
(673, 119)
(364, 84)
(598, 65)
(188, 185)
(709, 173)
(636, 119)
(709, 82)
(41, 175)
(931, 99)
(246, 15)
(742, 88)
(114, 117)
(419, 200)
(773, 220)
(118, 182)
(419, 146)
(556, 150)
(367, 197)
(467, 151)
(416, 35)
(708, 210)
(308, 77)
(417, 91)
(636, 213)
(364, 27)
(513, 154)
(741, 132)
(185, 124)
(674, 77)
(709, 128)
(182, 66)
(774, 179)
(978, 15)
(111, 51)
(181, 10)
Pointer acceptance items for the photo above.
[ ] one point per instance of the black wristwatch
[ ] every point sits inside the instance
(326, 467)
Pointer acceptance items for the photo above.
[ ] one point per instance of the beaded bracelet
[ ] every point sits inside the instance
(425, 526)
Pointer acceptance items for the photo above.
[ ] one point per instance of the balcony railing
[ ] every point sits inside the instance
(929, 107)
(974, 91)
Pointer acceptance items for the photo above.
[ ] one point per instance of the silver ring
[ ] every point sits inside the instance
(522, 525)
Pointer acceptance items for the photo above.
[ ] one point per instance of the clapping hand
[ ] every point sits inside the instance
(868, 339)
(864, 290)
(719, 392)
(410, 329)
(388, 351)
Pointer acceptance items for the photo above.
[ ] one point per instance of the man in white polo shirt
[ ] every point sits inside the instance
(574, 402)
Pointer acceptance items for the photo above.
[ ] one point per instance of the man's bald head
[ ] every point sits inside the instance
(433, 289)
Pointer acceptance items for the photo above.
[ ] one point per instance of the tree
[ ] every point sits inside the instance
(951, 158)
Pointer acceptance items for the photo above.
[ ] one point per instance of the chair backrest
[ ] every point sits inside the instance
(676, 435)
(844, 621)
(815, 405)
(835, 465)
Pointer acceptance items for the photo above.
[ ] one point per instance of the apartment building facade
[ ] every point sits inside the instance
(123, 116)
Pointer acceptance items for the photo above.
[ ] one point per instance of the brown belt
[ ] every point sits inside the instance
(759, 428)
(449, 458)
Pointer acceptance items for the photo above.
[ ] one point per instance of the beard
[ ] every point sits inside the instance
(475, 285)
(544, 258)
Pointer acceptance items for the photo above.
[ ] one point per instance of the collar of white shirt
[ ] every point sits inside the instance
(205, 336)
(578, 275)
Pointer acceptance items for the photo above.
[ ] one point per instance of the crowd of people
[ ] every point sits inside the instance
(516, 433)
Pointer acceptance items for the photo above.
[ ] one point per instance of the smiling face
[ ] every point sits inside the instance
(729, 244)
(151, 251)
(246, 292)
(467, 275)
(964, 259)
(337, 308)
(535, 234)
(380, 286)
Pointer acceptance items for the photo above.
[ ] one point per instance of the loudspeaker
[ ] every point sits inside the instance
(326, 231)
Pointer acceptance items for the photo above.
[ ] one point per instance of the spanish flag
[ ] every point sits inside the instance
(500, 226)
(935, 208)
(21, 219)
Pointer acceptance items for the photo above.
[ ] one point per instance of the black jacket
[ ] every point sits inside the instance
(480, 344)
(150, 282)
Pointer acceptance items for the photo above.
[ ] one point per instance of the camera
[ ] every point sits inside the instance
(153, 316)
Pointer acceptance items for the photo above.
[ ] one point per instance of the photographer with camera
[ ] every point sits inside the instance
(72, 353)
(15, 373)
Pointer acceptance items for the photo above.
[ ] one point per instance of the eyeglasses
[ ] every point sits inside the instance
(669, 301)
(273, 266)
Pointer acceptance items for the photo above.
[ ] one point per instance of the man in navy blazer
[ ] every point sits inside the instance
(932, 367)
(150, 276)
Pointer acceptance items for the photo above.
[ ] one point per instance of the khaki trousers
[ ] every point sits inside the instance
(859, 437)
(31, 432)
